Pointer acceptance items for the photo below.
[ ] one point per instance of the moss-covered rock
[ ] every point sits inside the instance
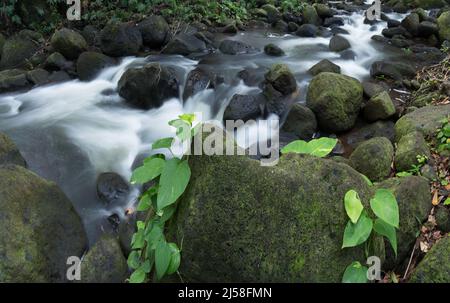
(310, 15)
(323, 10)
(425, 120)
(442, 215)
(301, 122)
(413, 198)
(324, 65)
(12, 79)
(2, 42)
(444, 26)
(336, 101)
(39, 229)
(373, 158)
(18, 49)
(38, 76)
(273, 50)
(434, 268)
(281, 78)
(338, 44)
(90, 64)
(379, 107)
(9, 153)
(56, 61)
(184, 44)
(104, 262)
(120, 39)
(69, 43)
(409, 147)
(272, 13)
(155, 31)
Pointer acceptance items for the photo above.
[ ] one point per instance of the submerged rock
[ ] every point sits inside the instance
(232, 47)
(336, 101)
(69, 43)
(39, 229)
(339, 43)
(273, 50)
(197, 80)
(9, 153)
(111, 187)
(120, 39)
(245, 107)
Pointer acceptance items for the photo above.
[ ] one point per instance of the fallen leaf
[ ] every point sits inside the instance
(435, 200)
(423, 247)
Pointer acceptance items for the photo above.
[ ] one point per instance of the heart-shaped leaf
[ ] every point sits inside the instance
(353, 205)
(356, 234)
(385, 207)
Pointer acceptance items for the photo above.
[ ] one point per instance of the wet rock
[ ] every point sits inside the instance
(393, 23)
(372, 89)
(379, 107)
(373, 158)
(281, 79)
(252, 76)
(442, 215)
(244, 107)
(427, 29)
(281, 26)
(307, 30)
(184, 44)
(39, 228)
(155, 31)
(136, 83)
(301, 122)
(19, 48)
(273, 50)
(90, 64)
(58, 77)
(2, 42)
(310, 15)
(425, 120)
(324, 65)
(272, 13)
(9, 153)
(323, 10)
(396, 31)
(12, 79)
(230, 28)
(434, 268)
(369, 131)
(56, 61)
(111, 187)
(120, 39)
(339, 43)
(338, 30)
(333, 21)
(336, 101)
(104, 262)
(38, 76)
(394, 70)
(69, 43)
(411, 23)
(90, 34)
(444, 26)
(232, 47)
(409, 147)
(197, 80)
(293, 27)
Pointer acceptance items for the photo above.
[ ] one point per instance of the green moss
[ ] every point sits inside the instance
(444, 26)
(379, 107)
(409, 147)
(69, 43)
(9, 154)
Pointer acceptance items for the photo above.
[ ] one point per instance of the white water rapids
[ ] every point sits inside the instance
(73, 131)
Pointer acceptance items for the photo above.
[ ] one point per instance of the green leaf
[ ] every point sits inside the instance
(173, 182)
(162, 258)
(175, 259)
(355, 273)
(319, 147)
(387, 231)
(138, 240)
(367, 180)
(404, 174)
(353, 205)
(138, 276)
(162, 143)
(183, 129)
(447, 202)
(144, 203)
(189, 118)
(385, 207)
(149, 171)
(154, 236)
(134, 259)
(356, 234)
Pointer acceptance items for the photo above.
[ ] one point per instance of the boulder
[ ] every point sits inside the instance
(56, 61)
(442, 215)
(155, 31)
(323, 10)
(409, 147)
(427, 29)
(333, 21)
(245, 107)
(13, 79)
(9, 153)
(310, 15)
(444, 26)
(434, 268)
(136, 83)
(90, 34)
(324, 65)
(307, 31)
(425, 120)
(301, 122)
(184, 44)
(373, 158)
(90, 64)
(273, 50)
(104, 262)
(396, 31)
(120, 39)
(39, 228)
(336, 100)
(281, 79)
(394, 70)
(379, 107)
(272, 13)
(411, 23)
(339, 43)
(372, 89)
(232, 47)
(38, 76)
(111, 187)
(197, 80)
(69, 43)
(363, 133)
(2, 42)
(281, 26)
(18, 49)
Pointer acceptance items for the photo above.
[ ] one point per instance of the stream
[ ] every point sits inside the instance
(71, 132)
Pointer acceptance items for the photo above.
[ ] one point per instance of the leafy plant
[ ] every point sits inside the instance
(415, 169)
(151, 252)
(443, 135)
(361, 229)
(318, 147)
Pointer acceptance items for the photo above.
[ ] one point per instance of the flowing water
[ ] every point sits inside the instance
(73, 131)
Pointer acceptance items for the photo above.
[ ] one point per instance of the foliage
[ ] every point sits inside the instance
(318, 147)
(169, 179)
(362, 229)
(443, 135)
(415, 169)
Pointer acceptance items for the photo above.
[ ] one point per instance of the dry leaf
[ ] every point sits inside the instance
(435, 200)
(423, 247)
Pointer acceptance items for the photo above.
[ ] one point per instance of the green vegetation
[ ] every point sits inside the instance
(443, 135)
(169, 179)
(319, 147)
(361, 229)
(415, 169)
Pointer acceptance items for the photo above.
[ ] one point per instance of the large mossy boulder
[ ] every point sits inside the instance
(425, 120)
(336, 100)
(9, 153)
(13, 79)
(155, 31)
(444, 26)
(310, 15)
(69, 43)
(281, 79)
(39, 228)
(413, 198)
(434, 268)
(18, 49)
(148, 87)
(242, 222)
(379, 107)
(373, 158)
(90, 64)
(272, 13)
(409, 147)
(301, 122)
(104, 262)
(120, 39)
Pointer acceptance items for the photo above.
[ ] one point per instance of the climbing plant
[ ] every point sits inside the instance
(168, 178)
